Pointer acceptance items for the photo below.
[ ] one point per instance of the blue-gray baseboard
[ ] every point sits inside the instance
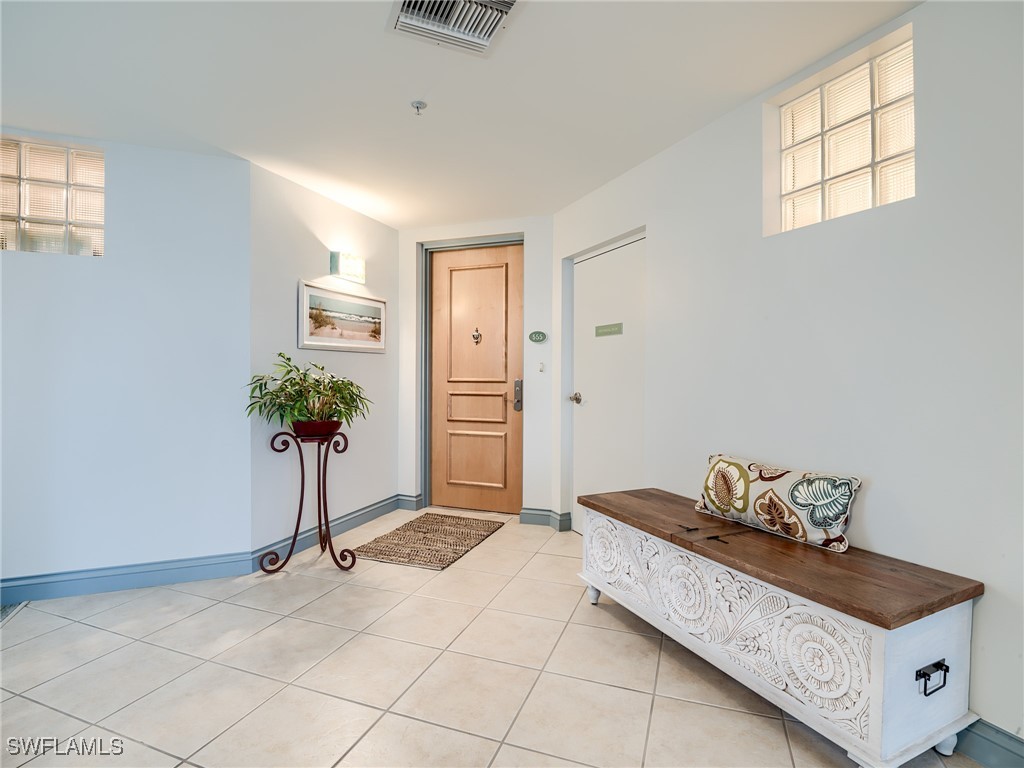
(991, 746)
(67, 583)
(560, 521)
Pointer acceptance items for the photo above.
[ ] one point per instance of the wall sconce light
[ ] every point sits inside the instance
(348, 267)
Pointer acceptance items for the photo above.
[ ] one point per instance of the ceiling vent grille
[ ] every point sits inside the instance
(469, 24)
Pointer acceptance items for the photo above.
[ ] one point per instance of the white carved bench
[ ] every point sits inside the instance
(835, 640)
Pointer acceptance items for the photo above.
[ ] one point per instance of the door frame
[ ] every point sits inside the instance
(567, 357)
(424, 268)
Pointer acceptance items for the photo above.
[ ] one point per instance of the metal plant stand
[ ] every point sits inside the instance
(271, 562)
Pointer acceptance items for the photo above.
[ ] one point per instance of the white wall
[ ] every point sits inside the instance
(124, 436)
(887, 344)
(539, 432)
(293, 231)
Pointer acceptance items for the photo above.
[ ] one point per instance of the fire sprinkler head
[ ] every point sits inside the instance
(419, 106)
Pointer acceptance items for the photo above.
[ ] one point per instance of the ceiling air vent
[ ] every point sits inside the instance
(468, 24)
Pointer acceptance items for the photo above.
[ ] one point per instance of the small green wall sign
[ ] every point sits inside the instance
(538, 337)
(612, 329)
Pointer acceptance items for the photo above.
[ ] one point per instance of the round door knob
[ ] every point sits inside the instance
(576, 397)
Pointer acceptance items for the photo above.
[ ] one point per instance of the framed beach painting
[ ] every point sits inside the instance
(342, 321)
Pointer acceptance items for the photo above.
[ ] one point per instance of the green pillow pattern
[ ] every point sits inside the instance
(806, 506)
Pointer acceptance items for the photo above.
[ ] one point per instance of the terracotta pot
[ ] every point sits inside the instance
(315, 428)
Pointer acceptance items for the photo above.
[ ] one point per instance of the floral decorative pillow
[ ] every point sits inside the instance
(805, 506)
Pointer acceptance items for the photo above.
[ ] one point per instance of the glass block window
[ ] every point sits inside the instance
(849, 144)
(51, 198)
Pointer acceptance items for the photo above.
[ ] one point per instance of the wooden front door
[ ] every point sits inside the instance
(476, 434)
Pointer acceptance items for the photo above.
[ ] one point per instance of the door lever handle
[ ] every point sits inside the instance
(517, 395)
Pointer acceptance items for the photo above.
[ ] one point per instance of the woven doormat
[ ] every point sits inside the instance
(430, 541)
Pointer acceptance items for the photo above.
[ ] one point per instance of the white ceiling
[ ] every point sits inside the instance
(571, 95)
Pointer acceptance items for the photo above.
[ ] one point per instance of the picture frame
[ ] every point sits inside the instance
(344, 322)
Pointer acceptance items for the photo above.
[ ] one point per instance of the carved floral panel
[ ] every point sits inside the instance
(816, 657)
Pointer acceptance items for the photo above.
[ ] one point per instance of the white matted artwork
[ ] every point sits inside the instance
(342, 321)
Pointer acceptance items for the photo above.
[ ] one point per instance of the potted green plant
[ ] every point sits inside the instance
(312, 400)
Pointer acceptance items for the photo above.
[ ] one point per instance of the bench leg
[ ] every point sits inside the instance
(593, 594)
(946, 746)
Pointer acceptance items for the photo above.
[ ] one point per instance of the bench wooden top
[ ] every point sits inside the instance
(877, 589)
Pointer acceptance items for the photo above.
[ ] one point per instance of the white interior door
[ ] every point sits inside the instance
(609, 298)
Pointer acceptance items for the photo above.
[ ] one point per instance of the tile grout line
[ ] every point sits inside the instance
(388, 709)
(201, 660)
(32, 603)
(83, 621)
(69, 619)
(721, 707)
(654, 697)
(41, 634)
(78, 666)
(356, 633)
(533, 687)
(236, 722)
(337, 696)
(789, 741)
(145, 638)
(300, 674)
(298, 608)
(425, 722)
(361, 737)
(277, 620)
(73, 735)
(111, 714)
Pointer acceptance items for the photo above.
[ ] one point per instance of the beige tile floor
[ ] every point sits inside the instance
(498, 661)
